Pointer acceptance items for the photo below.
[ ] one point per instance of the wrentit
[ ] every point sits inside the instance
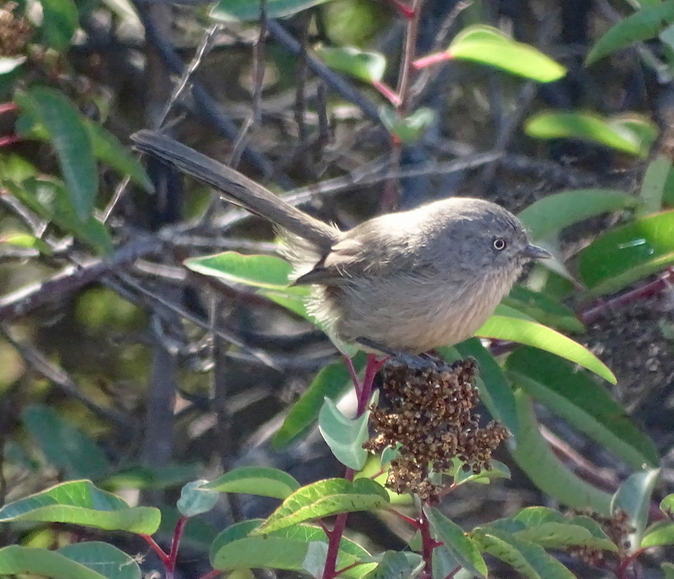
(402, 282)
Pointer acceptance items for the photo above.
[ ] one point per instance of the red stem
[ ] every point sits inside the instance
(9, 140)
(175, 543)
(387, 91)
(406, 10)
(212, 574)
(157, 549)
(413, 522)
(7, 107)
(431, 59)
(627, 562)
(427, 542)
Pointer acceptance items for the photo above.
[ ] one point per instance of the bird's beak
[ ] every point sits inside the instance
(534, 252)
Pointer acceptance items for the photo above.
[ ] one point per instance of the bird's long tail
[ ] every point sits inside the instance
(237, 188)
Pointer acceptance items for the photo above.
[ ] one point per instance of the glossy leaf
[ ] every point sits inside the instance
(634, 497)
(263, 271)
(455, 541)
(194, 500)
(249, 10)
(660, 534)
(65, 446)
(548, 216)
(498, 470)
(543, 309)
(255, 480)
(18, 560)
(59, 23)
(488, 45)
(367, 66)
(235, 548)
(525, 557)
(81, 503)
(627, 254)
(645, 23)
(633, 135)
(583, 403)
(534, 334)
(344, 436)
(535, 457)
(495, 390)
(331, 382)
(667, 505)
(408, 129)
(653, 184)
(325, 498)
(70, 138)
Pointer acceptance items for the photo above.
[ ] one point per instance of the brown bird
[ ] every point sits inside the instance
(402, 282)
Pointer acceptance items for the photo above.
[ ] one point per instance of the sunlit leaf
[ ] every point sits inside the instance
(627, 254)
(343, 435)
(60, 21)
(488, 45)
(408, 129)
(255, 480)
(632, 135)
(81, 503)
(534, 334)
(634, 496)
(325, 498)
(194, 500)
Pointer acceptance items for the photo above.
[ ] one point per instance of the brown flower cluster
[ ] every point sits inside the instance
(15, 31)
(429, 412)
(617, 528)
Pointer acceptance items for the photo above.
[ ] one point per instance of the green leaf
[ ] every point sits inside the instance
(286, 548)
(488, 45)
(667, 570)
(548, 216)
(263, 271)
(69, 136)
(248, 10)
(634, 497)
(632, 134)
(534, 334)
(660, 534)
(103, 558)
(552, 530)
(498, 470)
(535, 457)
(59, 23)
(343, 435)
(627, 254)
(397, 565)
(409, 129)
(325, 498)
(543, 309)
(49, 199)
(667, 505)
(195, 500)
(17, 560)
(81, 503)
(527, 558)
(255, 480)
(26, 240)
(65, 446)
(653, 185)
(646, 23)
(583, 403)
(331, 382)
(454, 540)
(495, 390)
(367, 66)
(110, 151)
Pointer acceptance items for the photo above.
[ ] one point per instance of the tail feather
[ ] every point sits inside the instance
(237, 188)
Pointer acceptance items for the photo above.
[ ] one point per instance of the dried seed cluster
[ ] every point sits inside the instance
(15, 31)
(429, 411)
(617, 528)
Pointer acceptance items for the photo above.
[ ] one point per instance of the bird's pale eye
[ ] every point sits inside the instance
(499, 244)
